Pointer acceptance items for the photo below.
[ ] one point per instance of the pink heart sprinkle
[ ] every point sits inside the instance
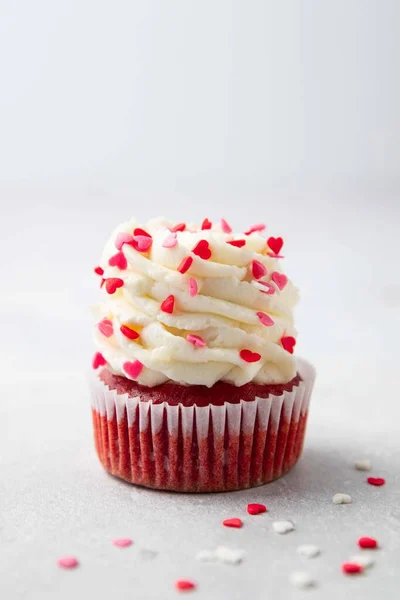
(123, 542)
(119, 261)
(184, 585)
(170, 241)
(98, 360)
(265, 319)
(196, 340)
(123, 238)
(68, 562)
(105, 327)
(133, 369)
(258, 269)
(269, 289)
(280, 279)
(142, 243)
(254, 228)
(193, 287)
(226, 228)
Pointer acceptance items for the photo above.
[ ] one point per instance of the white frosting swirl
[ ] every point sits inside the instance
(223, 313)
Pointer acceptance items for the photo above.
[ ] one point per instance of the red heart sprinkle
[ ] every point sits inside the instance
(202, 249)
(249, 356)
(98, 361)
(206, 224)
(275, 244)
(106, 327)
(269, 289)
(193, 287)
(185, 264)
(123, 238)
(237, 243)
(178, 227)
(254, 228)
(226, 228)
(170, 241)
(265, 319)
(196, 340)
(168, 305)
(113, 283)
(376, 481)
(99, 271)
(184, 585)
(131, 334)
(133, 369)
(367, 542)
(258, 269)
(142, 243)
(118, 260)
(68, 562)
(233, 523)
(139, 231)
(288, 343)
(256, 509)
(123, 542)
(352, 568)
(280, 279)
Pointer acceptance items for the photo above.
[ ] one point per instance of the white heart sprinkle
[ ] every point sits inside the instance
(302, 579)
(341, 499)
(308, 550)
(363, 465)
(364, 560)
(282, 526)
(221, 554)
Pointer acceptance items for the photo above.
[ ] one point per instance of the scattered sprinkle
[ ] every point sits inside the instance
(185, 264)
(113, 283)
(141, 232)
(265, 319)
(363, 465)
(196, 340)
(283, 526)
(184, 585)
(237, 523)
(275, 244)
(118, 260)
(122, 542)
(193, 287)
(351, 568)
(142, 243)
(266, 288)
(105, 327)
(367, 542)
(102, 282)
(341, 498)
(170, 241)
(98, 360)
(288, 343)
(308, 550)
(249, 356)
(280, 279)
(128, 332)
(123, 238)
(206, 224)
(376, 481)
(68, 562)
(254, 228)
(133, 369)
(221, 554)
(178, 227)
(98, 271)
(364, 560)
(202, 249)
(256, 509)
(237, 243)
(258, 269)
(302, 579)
(226, 228)
(168, 305)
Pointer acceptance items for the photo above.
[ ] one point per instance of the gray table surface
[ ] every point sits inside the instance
(55, 498)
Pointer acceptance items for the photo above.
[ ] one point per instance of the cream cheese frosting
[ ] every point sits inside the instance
(184, 304)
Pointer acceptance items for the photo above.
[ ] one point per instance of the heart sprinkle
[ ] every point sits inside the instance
(236, 523)
(98, 360)
(352, 568)
(254, 228)
(123, 238)
(376, 481)
(206, 224)
(237, 243)
(133, 369)
(142, 232)
(226, 228)
(266, 289)
(142, 243)
(280, 279)
(68, 562)
(258, 269)
(249, 356)
(122, 542)
(170, 241)
(185, 264)
(196, 340)
(105, 327)
(184, 585)
(302, 580)
(308, 550)
(275, 244)
(256, 509)
(193, 287)
(202, 249)
(99, 271)
(118, 260)
(341, 498)
(288, 343)
(178, 227)
(265, 319)
(168, 305)
(367, 542)
(113, 283)
(282, 526)
(131, 334)
(363, 465)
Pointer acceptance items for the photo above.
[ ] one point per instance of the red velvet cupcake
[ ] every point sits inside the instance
(195, 386)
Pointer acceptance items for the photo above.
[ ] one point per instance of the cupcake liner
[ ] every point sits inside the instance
(201, 448)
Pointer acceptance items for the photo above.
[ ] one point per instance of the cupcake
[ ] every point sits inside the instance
(195, 384)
